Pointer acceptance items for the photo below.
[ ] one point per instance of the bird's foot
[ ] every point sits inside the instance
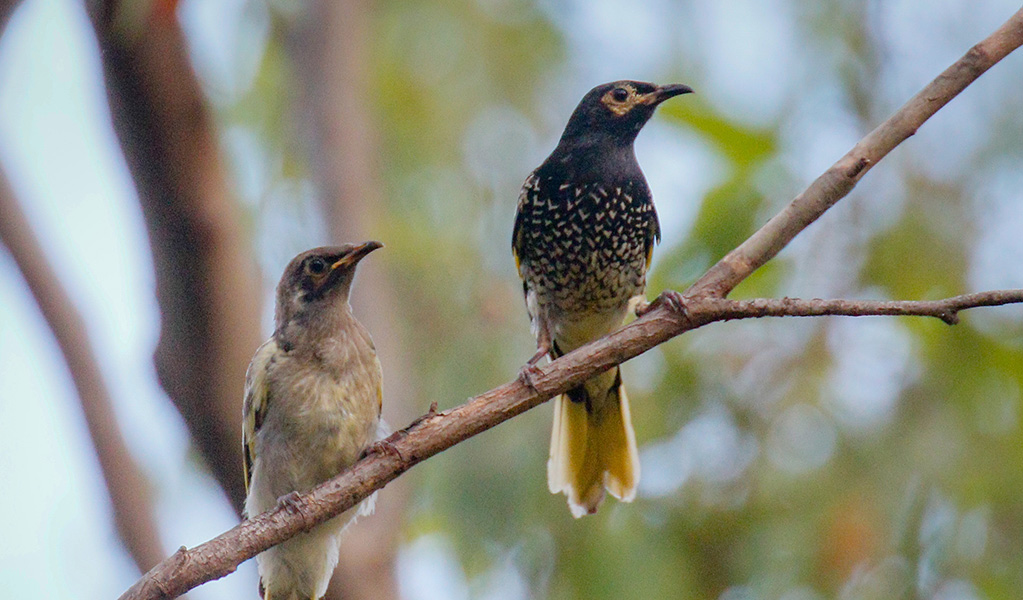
(292, 502)
(385, 446)
(528, 375)
(670, 299)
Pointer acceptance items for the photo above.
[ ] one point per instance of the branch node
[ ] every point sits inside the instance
(177, 562)
(950, 317)
(430, 413)
(855, 170)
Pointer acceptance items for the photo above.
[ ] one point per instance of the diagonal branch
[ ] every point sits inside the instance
(843, 176)
(704, 304)
(436, 432)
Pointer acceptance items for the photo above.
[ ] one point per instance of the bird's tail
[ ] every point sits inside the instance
(593, 447)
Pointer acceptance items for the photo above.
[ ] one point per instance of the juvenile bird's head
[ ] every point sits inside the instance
(317, 282)
(616, 111)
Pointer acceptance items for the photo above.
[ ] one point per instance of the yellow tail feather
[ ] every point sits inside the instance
(593, 446)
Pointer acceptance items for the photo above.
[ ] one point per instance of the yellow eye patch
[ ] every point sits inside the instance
(619, 105)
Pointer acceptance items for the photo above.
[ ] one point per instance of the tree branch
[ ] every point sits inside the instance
(436, 432)
(125, 482)
(6, 10)
(947, 310)
(205, 275)
(843, 176)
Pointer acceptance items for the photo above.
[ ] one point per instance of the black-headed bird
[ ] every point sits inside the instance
(312, 406)
(584, 233)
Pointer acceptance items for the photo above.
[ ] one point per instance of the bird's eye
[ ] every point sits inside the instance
(620, 94)
(317, 266)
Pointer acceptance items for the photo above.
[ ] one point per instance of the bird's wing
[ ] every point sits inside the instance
(380, 386)
(529, 188)
(256, 402)
(654, 233)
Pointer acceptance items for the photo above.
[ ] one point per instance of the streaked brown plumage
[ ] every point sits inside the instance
(312, 405)
(584, 233)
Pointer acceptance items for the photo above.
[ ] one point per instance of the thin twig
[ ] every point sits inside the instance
(947, 310)
(220, 556)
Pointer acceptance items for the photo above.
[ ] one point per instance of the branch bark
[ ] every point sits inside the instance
(703, 302)
(205, 277)
(436, 432)
(126, 484)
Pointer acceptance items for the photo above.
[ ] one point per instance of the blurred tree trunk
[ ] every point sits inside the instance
(205, 276)
(6, 10)
(332, 47)
(126, 484)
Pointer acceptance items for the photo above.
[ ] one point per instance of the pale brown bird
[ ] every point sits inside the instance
(312, 406)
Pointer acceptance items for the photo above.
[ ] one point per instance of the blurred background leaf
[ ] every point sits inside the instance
(785, 459)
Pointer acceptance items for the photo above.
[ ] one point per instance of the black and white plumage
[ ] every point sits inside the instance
(585, 247)
(584, 233)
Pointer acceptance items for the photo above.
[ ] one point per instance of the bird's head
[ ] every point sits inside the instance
(318, 281)
(618, 110)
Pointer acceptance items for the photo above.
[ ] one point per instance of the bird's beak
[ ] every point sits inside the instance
(357, 253)
(664, 92)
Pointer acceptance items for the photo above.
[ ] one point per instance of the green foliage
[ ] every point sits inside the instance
(777, 471)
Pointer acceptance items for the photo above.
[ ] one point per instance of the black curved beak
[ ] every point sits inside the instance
(356, 254)
(664, 92)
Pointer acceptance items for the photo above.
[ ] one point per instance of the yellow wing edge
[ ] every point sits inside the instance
(255, 405)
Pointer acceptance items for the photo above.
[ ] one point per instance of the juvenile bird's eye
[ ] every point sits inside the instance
(317, 266)
(620, 94)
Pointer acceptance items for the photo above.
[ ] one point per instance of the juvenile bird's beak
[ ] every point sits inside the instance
(664, 92)
(358, 253)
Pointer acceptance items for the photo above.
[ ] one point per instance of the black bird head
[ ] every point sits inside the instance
(318, 281)
(615, 112)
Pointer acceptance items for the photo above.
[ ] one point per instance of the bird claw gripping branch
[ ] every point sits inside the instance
(671, 300)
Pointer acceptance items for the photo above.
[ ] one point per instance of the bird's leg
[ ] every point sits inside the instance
(670, 299)
(529, 372)
(639, 305)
